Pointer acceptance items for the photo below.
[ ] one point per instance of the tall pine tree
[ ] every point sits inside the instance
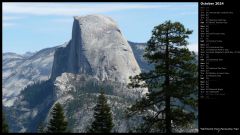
(102, 116)
(58, 123)
(4, 125)
(172, 84)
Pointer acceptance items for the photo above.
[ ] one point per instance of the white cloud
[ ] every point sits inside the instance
(69, 9)
(10, 18)
(19, 10)
(72, 9)
(9, 21)
(8, 24)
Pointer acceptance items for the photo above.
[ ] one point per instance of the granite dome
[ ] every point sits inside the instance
(97, 48)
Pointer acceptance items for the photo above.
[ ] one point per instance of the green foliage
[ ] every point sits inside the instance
(86, 95)
(4, 125)
(102, 116)
(57, 123)
(172, 83)
(33, 96)
(33, 93)
(91, 86)
(40, 128)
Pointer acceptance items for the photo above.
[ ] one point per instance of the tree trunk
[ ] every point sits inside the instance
(167, 100)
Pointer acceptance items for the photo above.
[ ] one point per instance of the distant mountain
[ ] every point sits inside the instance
(138, 51)
(10, 61)
(97, 56)
(22, 70)
(28, 54)
(10, 55)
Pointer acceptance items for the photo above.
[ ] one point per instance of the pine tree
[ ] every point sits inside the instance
(4, 125)
(57, 123)
(102, 116)
(40, 128)
(172, 84)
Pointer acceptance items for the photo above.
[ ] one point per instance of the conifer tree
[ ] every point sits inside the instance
(102, 116)
(172, 84)
(40, 128)
(4, 125)
(58, 123)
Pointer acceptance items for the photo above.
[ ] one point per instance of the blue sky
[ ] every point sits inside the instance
(34, 26)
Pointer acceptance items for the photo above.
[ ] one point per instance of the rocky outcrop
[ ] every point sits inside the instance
(21, 70)
(97, 56)
(97, 48)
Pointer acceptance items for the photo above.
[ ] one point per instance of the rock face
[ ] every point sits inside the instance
(97, 48)
(19, 70)
(97, 56)
(138, 51)
(22, 70)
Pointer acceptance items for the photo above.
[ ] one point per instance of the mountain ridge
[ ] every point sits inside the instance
(75, 89)
(97, 48)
